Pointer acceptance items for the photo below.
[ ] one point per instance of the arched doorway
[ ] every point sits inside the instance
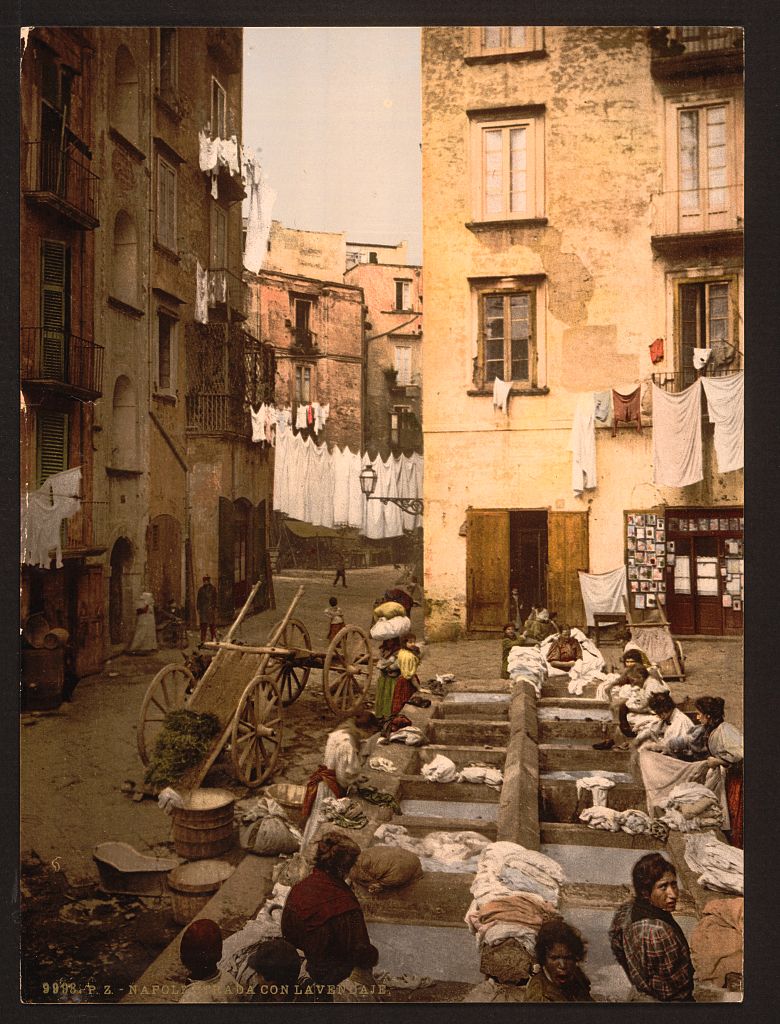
(242, 554)
(164, 559)
(120, 621)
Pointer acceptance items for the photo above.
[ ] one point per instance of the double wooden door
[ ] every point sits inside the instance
(489, 571)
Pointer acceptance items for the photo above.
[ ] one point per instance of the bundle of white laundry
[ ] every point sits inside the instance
(718, 865)
(438, 851)
(528, 664)
(523, 883)
(442, 769)
(633, 821)
(598, 786)
(691, 807)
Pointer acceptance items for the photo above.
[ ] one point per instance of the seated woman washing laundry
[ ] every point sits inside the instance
(323, 919)
(631, 712)
(668, 724)
(537, 627)
(717, 746)
(559, 950)
(508, 641)
(646, 940)
(717, 752)
(200, 951)
(565, 650)
(342, 765)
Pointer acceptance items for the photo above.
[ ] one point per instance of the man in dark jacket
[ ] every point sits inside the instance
(207, 609)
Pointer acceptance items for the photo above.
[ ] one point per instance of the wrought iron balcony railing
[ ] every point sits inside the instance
(697, 210)
(62, 361)
(676, 381)
(56, 178)
(706, 38)
(217, 414)
(228, 290)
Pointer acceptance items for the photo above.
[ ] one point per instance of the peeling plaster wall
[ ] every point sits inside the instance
(603, 296)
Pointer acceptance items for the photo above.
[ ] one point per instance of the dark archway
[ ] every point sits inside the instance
(120, 622)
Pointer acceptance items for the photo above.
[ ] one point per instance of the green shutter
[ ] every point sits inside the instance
(52, 444)
(54, 275)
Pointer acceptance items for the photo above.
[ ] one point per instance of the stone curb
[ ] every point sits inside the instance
(518, 812)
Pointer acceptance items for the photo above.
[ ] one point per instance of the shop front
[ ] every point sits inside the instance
(690, 562)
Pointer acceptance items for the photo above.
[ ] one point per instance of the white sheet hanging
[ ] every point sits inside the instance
(726, 409)
(677, 459)
(501, 389)
(582, 445)
(701, 357)
(201, 294)
(603, 592)
(42, 512)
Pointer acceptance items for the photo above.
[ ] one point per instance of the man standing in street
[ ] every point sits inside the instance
(207, 608)
(341, 569)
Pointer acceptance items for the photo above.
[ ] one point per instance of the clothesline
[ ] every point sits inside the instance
(320, 485)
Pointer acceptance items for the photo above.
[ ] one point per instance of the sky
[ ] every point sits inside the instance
(335, 116)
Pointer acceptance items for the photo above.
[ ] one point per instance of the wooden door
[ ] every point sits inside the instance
(707, 586)
(567, 551)
(487, 569)
(226, 560)
(680, 601)
(89, 621)
(164, 548)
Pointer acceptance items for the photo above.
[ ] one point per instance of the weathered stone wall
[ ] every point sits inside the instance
(602, 294)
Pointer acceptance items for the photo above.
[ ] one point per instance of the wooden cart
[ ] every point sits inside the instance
(247, 688)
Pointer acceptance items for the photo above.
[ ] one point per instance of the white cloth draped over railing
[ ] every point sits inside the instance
(320, 485)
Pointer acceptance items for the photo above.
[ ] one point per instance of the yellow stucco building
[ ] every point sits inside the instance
(582, 208)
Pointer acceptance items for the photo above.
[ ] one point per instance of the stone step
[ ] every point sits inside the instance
(493, 710)
(440, 896)
(456, 732)
(559, 801)
(554, 758)
(421, 824)
(561, 833)
(417, 787)
(461, 756)
(575, 729)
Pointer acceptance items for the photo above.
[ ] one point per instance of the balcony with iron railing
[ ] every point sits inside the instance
(56, 179)
(709, 215)
(683, 50)
(86, 532)
(61, 361)
(217, 414)
(228, 293)
(674, 382)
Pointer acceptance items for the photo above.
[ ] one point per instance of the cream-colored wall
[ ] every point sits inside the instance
(320, 254)
(601, 302)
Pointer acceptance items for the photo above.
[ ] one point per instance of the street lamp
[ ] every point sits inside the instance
(368, 478)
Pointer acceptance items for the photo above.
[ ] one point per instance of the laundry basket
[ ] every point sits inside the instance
(192, 886)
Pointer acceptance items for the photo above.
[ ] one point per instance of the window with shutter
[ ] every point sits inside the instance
(52, 444)
(166, 204)
(54, 308)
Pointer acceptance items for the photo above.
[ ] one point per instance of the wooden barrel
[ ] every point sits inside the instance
(192, 886)
(43, 674)
(55, 638)
(204, 826)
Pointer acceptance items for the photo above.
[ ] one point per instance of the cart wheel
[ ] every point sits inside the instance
(346, 672)
(167, 691)
(288, 677)
(256, 737)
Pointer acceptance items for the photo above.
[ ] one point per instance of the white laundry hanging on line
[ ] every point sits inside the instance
(201, 294)
(261, 202)
(407, 488)
(701, 357)
(208, 152)
(677, 458)
(258, 423)
(42, 513)
(298, 474)
(300, 418)
(228, 154)
(582, 444)
(603, 592)
(280, 472)
(726, 409)
(501, 389)
(321, 484)
(340, 461)
(393, 514)
(357, 502)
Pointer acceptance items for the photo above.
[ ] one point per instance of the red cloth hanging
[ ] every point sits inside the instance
(656, 350)
(627, 409)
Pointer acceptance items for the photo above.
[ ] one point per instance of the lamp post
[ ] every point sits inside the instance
(368, 478)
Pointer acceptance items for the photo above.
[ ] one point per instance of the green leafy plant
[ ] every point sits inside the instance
(183, 742)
